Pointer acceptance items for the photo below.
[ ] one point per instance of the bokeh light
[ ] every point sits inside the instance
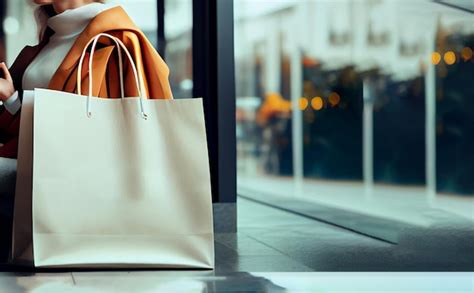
(450, 58)
(466, 53)
(11, 25)
(435, 58)
(317, 103)
(303, 103)
(334, 99)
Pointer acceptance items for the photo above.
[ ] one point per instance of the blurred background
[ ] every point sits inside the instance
(363, 105)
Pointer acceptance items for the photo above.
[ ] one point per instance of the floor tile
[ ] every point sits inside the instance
(266, 263)
(35, 282)
(245, 245)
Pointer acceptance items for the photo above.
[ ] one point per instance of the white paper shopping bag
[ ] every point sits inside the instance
(120, 182)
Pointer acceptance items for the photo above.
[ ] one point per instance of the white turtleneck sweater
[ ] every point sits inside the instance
(67, 26)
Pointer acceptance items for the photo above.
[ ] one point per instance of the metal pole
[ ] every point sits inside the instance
(430, 128)
(368, 142)
(297, 119)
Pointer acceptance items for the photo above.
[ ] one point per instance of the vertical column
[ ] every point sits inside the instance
(213, 73)
(430, 125)
(297, 117)
(226, 101)
(160, 5)
(297, 42)
(368, 138)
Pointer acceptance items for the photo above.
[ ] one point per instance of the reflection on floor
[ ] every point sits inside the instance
(276, 251)
(406, 204)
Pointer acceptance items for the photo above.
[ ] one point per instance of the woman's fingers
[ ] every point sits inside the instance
(6, 72)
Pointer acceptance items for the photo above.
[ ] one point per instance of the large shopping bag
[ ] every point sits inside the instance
(120, 182)
(22, 250)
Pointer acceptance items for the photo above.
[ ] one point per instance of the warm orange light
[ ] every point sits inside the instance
(317, 103)
(466, 53)
(435, 58)
(450, 58)
(334, 99)
(303, 103)
(273, 104)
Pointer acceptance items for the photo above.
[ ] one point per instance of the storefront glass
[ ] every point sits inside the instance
(364, 105)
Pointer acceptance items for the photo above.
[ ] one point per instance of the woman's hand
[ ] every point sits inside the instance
(6, 83)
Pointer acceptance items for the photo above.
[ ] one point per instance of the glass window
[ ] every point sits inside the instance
(364, 105)
(178, 31)
(19, 26)
(144, 14)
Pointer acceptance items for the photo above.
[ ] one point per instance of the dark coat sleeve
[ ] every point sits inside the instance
(10, 124)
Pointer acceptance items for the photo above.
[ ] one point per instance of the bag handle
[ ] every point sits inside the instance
(120, 45)
(79, 70)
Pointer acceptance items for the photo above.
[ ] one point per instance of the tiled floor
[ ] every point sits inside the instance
(238, 282)
(276, 251)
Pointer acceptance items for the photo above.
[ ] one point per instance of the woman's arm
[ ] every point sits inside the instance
(10, 82)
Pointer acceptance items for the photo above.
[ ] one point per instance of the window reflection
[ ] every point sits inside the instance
(178, 31)
(373, 74)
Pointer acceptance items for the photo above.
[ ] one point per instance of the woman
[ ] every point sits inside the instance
(65, 28)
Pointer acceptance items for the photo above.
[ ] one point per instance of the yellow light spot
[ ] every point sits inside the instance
(435, 58)
(334, 99)
(317, 103)
(466, 53)
(450, 57)
(303, 103)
